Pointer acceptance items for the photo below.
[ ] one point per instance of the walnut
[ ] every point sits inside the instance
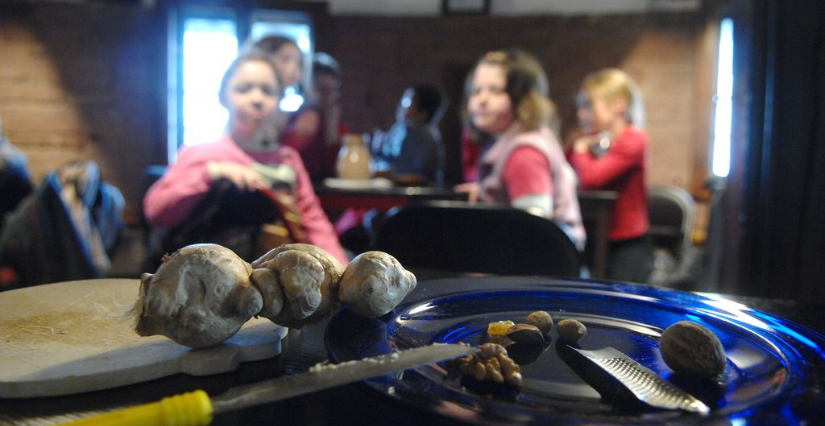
(200, 296)
(491, 363)
(692, 350)
(299, 284)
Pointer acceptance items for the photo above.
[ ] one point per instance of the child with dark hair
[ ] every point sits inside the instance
(412, 150)
(429, 101)
(285, 54)
(315, 130)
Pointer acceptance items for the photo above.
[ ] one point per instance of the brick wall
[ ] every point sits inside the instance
(380, 56)
(86, 81)
(78, 82)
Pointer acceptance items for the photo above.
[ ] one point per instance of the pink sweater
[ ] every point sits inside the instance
(170, 200)
(561, 180)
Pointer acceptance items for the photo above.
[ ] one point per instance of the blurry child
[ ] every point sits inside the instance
(525, 166)
(413, 148)
(611, 154)
(213, 191)
(285, 54)
(315, 130)
(288, 59)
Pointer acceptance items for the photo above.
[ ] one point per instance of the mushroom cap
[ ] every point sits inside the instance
(200, 296)
(305, 277)
(374, 283)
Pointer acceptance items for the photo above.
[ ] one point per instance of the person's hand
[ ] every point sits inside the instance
(471, 188)
(583, 143)
(243, 177)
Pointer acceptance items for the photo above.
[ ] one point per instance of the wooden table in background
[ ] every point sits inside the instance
(382, 199)
(596, 208)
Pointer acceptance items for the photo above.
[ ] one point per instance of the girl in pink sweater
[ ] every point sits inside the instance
(525, 166)
(223, 190)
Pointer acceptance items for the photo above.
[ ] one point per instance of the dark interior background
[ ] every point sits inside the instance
(87, 80)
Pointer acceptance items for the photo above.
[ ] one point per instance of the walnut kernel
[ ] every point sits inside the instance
(491, 363)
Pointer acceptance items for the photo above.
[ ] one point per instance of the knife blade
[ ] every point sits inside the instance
(332, 375)
(197, 409)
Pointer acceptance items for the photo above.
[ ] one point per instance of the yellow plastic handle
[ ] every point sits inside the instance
(188, 409)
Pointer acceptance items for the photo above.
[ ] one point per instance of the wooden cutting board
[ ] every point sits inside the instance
(76, 336)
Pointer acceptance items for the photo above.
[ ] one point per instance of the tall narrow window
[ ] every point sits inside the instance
(209, 46)
(723, 99)
(203, 41)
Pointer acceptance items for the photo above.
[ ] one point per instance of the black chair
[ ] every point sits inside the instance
(672, 213)
(462, 237)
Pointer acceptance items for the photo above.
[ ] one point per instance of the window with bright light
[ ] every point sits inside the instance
(209, 46)
(723, 99)
(203, 42)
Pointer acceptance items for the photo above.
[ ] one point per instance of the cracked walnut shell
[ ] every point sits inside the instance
(491, 363)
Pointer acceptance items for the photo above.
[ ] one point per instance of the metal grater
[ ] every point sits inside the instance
(643, 383)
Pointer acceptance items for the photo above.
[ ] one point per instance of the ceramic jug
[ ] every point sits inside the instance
(354, 159)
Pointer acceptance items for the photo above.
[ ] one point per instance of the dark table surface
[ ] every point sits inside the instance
(303, 348)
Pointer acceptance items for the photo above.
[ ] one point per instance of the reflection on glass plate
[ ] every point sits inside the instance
(774, 374)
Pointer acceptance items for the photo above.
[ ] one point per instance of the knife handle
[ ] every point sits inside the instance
(188, 409)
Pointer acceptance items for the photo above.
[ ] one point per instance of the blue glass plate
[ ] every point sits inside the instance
(775, 371)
